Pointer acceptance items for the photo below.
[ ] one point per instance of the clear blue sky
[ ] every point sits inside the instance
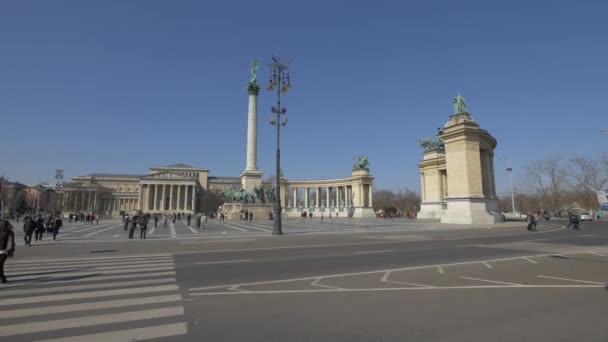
(118, 86)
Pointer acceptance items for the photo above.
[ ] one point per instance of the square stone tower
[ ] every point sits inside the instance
(457, 172)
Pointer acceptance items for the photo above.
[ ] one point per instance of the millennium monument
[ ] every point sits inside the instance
(457, 172)
(182, 188)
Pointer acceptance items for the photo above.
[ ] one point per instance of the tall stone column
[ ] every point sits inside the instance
(193, 198)
(171, 197)
(317, 204)
(251, 177)
(179, 198)
(155, 205)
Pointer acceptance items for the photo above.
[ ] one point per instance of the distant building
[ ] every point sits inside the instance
(165, 189)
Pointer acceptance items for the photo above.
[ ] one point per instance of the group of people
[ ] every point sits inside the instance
(137, 220)
(37, 225)
(87, 219)
(246, 215)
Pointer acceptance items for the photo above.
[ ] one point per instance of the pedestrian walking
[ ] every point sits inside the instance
(39, 229)
(125, 220)
(198, 221)
(531, 219)
(222, 217)
(7, 246)
(132, 226)
(56, 226)
(188, 218)
(574, 222)
(143, 228)
(155, 220)
(204, 220)
(165, 221)
(28, 228)
(251, 216)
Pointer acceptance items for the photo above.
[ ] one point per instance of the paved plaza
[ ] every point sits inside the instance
(336, 280)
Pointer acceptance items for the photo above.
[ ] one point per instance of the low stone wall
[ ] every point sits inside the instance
(260, 211)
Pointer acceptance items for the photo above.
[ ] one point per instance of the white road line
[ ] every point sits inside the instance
(73, 264)
(83, 295)
(57, 279)
(57, 309)
(139, 334)
(92, 228)
(61, 289)
(87, 321)
(316, 283)
(440, 269)
(125, 257)
(233, 227)
(574, 280)
(374, 252)
(222, 262)
(99, 231)
(598, 254)
(92, 273)
(369, 272)
(151, 231)
(486, 264)
(388, 274)
(173, 233)
(236, 288)
(192, 230)
(382, 289)
(94, 269)
(116, 235)
(492, 281)
(530, 260)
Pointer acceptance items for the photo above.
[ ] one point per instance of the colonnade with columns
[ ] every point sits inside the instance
(119, 204)
(164, 197)
(83, 200)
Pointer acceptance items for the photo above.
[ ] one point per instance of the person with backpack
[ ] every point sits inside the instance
(28, 228)
(574, 221)
(531, 221)
(39, 229)
(7, 246)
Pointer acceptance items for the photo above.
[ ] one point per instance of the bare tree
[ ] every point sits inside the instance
(588, 176)
(547, 180)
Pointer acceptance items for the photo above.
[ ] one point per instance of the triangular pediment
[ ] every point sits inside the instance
(166, 176)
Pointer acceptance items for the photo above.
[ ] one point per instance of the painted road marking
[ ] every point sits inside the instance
(87, 321)
(222, 262)
(37, 261)
(491, 281)
(316, 283)
(34, 291)
(486, 264)
(173, 233)
(374, 252)
(598, 254)
(530, 260)
(78, 273)
(382, 289)
(82, 295)
(440, 269)
(386, 280)
(233, 227)
(367, 272)
(139, 334)
(574, 280)
(192, 230)
(56, 309)
(116, 235)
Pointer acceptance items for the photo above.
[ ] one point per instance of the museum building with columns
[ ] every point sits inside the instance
(165, 189)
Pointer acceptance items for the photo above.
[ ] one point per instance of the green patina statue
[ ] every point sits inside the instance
(255, 65)
(433, 144)
(361, 163)
(459, 105)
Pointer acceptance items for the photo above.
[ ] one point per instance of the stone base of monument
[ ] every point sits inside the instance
(430, 210)
(363, 212)
(250, 180)
(471, 210)
(260, 211)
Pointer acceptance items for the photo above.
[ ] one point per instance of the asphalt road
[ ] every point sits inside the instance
(371, 283)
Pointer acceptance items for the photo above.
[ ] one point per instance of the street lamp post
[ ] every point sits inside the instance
(279, 79)
(510, 170)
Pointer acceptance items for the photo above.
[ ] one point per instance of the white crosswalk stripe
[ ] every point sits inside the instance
(91, 299)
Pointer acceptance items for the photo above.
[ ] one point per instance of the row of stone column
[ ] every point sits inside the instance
(338, 196)
(165, 197)
(118, 204)
(80, 200)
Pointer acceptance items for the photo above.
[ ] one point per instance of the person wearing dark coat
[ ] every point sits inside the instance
(58, 224)
(143, 227)
(132, 226)
(39, 229)
(7, 246)
(188, 217)
(28, 228)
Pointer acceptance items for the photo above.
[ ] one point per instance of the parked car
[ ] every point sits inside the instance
(586, 217)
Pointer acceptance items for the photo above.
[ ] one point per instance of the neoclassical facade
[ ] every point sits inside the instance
(349, 196)
(457, 179)
(166, 189)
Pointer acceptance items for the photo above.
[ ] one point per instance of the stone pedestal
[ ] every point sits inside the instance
(260, 211)
(430, 210)
(250, 180)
